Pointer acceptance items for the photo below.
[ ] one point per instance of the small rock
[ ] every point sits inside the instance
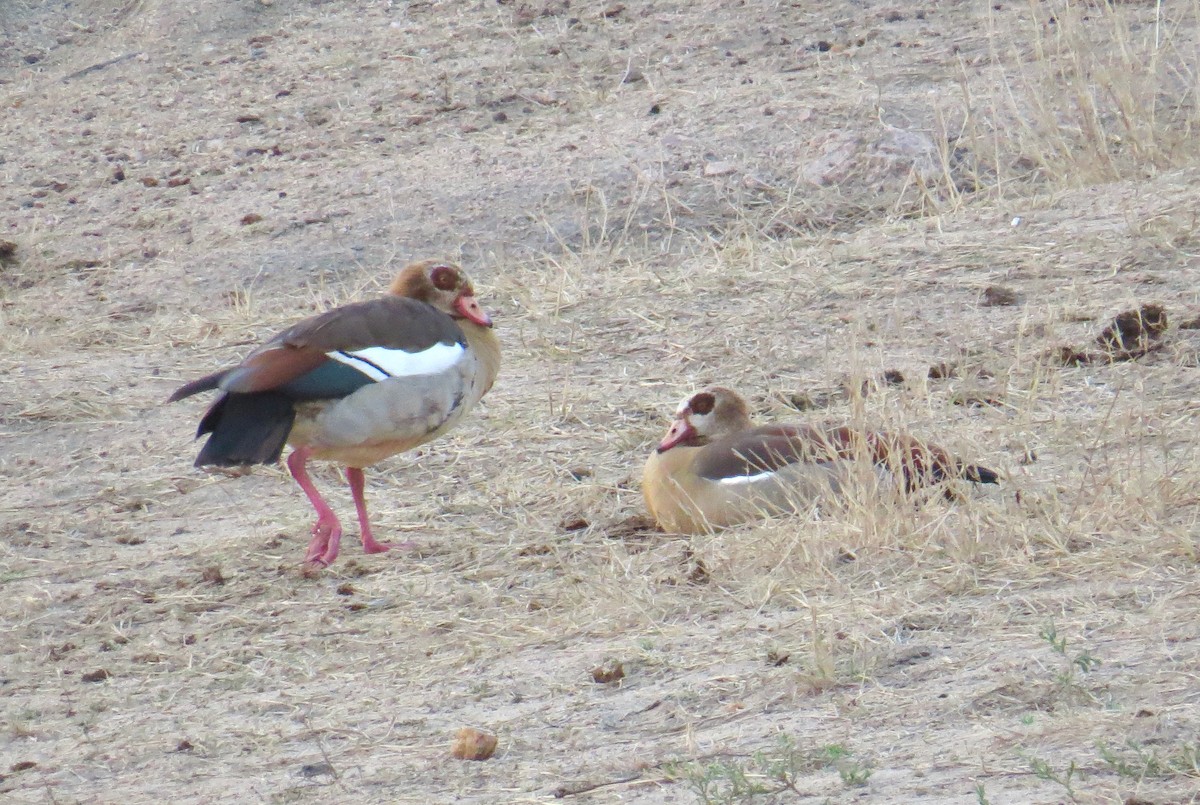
(473, 744)
(212, 575)
(610, 671)
(178, 181)
(999, 296)
(8, 251)
(149, 181)
(941, 371)
(873, 158)
(251, 218)
(98, 675)
(317, 770)
(718, 168)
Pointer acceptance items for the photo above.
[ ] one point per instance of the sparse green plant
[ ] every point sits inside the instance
(1065, 778)
(981, 794)
(766, 772)
(1135, 761)
(1077, 665)
(854, 774)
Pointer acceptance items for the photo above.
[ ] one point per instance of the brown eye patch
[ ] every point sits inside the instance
(444, 278)
(702, 403)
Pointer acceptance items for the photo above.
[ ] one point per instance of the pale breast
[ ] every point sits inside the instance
(388, 417)
(682, 502)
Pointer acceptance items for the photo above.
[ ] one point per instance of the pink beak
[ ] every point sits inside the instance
(469, 307)
(679, 431)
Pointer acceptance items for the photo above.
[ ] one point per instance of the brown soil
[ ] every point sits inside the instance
(650, 197)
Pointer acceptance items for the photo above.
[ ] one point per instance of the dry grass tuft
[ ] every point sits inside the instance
(637, 239)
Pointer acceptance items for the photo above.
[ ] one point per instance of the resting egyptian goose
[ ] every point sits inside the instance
(715, 468)
(354, 385)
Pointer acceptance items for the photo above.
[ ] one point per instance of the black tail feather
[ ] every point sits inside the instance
(246, 429)
(206, 383)
(980, 475)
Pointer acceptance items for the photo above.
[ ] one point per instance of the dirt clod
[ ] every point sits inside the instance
(473, 744)
(999, 296)
(610, 671)
(574, 523)
(212, 575)
(1133, 330)
(1130, 335)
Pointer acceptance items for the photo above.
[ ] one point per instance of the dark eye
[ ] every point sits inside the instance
(444, 278)
(702, 403)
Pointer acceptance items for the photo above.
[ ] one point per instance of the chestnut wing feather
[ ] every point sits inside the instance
(390, 322)
(770, 448)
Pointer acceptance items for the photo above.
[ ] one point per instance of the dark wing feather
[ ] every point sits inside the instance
(295, 354)
(769, 448)
(763, 449)
(392, 322)
(246, 429)
(206, 383)
(919, 462)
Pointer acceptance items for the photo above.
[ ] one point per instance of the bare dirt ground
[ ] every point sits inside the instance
(794, 199)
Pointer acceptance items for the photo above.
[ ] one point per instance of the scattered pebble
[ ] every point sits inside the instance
(718, 168)
(999, 296)
(610, 671)
(941, 371)
(473, 744)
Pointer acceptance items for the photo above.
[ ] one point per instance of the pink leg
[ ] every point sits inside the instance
(327, 531)
(355, 476)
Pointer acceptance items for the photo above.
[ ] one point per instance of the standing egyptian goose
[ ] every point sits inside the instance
(715, 468)
(354, 385)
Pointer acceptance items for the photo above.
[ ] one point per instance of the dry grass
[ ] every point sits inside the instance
(159, 638)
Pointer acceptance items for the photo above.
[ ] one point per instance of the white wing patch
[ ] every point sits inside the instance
(737, 480)
(380, 363)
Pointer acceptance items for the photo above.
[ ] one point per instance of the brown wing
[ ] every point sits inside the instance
(390, 322)
(920, 463)
(762, 449)
(767, 449)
